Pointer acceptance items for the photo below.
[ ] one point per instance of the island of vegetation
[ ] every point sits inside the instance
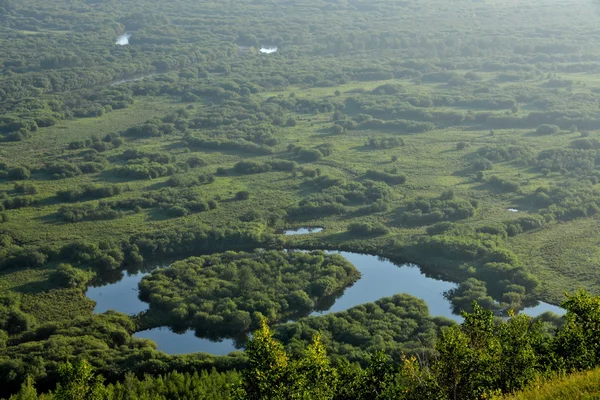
(225, 295)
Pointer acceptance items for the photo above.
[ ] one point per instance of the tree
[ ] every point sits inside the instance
(467, 367)
(577, 345)
(27, 391)
(547, 129)
(78, 382)
(19, 173)
(267, 375)
(272, 375)
(242, 195)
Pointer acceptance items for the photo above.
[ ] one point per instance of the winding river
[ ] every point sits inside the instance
(379, 278)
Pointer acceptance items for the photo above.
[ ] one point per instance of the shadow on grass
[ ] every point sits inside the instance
(34, 287)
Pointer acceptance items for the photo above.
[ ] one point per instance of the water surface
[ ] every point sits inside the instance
(268, 50)
(302, 231)
(123, 40)
(379, 278)
(174, 343)
(542, 308)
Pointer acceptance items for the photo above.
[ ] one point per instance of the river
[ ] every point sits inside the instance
(379, 278)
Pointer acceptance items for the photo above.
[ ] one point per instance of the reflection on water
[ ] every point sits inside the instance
(382, 278)
(542, 308)
(121, 296)
(174, 343)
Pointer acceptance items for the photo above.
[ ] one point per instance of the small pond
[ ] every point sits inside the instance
(123, 40)
(268, 50)
(302, 231)
(542, 308)
(379, 278)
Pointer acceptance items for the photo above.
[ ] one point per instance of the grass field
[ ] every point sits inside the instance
(579, 386)
(562, 255)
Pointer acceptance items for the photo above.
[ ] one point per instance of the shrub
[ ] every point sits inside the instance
(392, 179)
(547, 129)
(242, 195)
(19, 173)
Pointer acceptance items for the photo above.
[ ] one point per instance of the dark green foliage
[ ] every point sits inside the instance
(354, 333)
(12, 319)
(234, 145)
(196, 161)
(392, 179)
(251, 167)
(503, 184)
(19, 173)
(547, 129)
(429, 211)
(242, 195)
(88, 212)
(145, 170)
(368, 229)
(505, 153)
(67, 276)
(89, 192)
(25, 188)
(18, 202)
(476, 359)
(78, 382)
(60, 170)
(307, 154)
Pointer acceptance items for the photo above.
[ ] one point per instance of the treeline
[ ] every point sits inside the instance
(110, 255)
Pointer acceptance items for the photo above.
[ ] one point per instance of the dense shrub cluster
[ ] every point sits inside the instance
(385, 143)
(503, 184)
(144, 169)
(429, 211)
(87, 212)
(335, 195)
(88, 192)
(389, 178)
(225, 144)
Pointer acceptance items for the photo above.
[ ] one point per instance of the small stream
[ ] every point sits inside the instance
(379, 278)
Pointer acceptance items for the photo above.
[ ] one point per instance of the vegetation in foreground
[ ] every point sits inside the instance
(482, 357)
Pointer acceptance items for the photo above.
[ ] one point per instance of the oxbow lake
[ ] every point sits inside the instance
(379, 278)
